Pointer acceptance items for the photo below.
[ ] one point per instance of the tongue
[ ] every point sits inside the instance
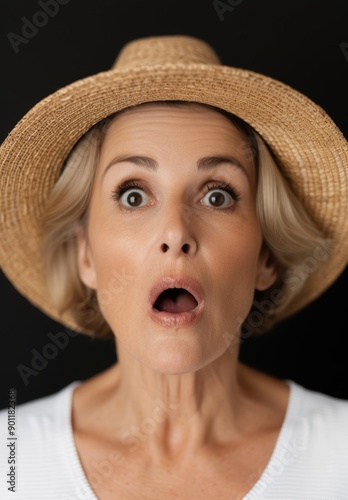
(182, 303)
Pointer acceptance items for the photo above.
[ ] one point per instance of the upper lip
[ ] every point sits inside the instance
(186, 282)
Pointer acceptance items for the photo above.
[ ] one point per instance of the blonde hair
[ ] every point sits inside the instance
(288, 231)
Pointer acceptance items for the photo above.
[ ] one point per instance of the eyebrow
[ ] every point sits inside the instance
(205, 163)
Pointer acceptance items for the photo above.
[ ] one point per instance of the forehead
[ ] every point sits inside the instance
(187, 130)
(187, 114)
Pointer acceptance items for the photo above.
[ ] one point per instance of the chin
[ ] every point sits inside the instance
(174, 369)
(176, 361)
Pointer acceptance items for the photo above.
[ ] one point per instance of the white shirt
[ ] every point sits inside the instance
(309, 461)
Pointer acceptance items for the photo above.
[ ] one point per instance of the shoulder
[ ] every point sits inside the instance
(37, 422)
(317, 426)
(42, 448)
(47, 409)
(319, 408)
(311, 456)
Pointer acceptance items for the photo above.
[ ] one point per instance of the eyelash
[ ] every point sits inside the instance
(235, 195)
(125, 186)
(122, 188)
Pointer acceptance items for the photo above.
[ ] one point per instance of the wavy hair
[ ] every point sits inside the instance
(288, 231)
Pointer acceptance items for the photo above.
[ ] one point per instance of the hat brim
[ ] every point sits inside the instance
(310, 148)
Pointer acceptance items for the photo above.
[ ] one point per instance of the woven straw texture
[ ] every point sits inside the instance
(309, 146)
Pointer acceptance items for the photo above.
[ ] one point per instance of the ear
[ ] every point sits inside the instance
(266, 269)
(85, 262)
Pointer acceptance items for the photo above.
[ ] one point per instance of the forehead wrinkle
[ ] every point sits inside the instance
(153, 123)
(205, 163)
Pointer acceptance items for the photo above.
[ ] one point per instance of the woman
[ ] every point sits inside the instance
(204, 187)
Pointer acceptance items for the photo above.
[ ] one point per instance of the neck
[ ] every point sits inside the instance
(176, 414)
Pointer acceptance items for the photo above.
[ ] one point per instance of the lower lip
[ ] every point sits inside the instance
(177, 319)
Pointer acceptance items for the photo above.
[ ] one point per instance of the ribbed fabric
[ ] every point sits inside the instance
(47, 465)
(309, 461)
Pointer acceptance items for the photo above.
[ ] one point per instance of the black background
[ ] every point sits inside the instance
(297, 42)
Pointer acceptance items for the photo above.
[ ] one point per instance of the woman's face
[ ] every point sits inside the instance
(168, 223)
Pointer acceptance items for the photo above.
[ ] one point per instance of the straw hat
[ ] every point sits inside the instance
(311, 149)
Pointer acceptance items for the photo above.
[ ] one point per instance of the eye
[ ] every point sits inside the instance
(132, 198)
(217, 195)
(217, 198)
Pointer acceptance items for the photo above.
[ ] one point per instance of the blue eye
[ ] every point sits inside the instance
(215, 188)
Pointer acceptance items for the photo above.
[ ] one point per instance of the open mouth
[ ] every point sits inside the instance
(175, 300)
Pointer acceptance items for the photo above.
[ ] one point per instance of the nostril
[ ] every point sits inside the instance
(185, 247)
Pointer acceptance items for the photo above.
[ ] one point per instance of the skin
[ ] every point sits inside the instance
(173, 380)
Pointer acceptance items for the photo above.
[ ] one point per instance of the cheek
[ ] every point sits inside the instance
(234, 264)
(237, 247)
(114, 263)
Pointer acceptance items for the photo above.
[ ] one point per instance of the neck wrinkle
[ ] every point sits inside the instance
(179, 414)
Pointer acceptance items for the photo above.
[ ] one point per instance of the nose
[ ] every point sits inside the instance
(177, 236)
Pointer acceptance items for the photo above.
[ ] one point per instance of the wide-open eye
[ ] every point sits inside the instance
(129, 194)
(222, 195)
(133, 198)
